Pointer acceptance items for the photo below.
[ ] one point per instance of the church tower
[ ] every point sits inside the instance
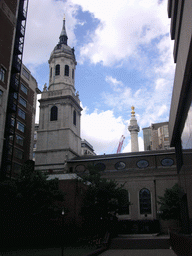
(134, 129)
(58, 136)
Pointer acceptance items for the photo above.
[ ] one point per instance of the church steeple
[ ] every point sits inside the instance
(60, 111)
(63, 36)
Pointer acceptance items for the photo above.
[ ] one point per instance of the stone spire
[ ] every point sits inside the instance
(63, 36)
(134, 129)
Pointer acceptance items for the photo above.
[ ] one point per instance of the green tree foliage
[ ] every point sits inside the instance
(102, 198)
(28, 205)
(170, 203)
(37, 194)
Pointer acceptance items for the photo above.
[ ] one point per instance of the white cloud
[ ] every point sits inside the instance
(162, 110)
(123, 27)
(44, 23)
(102, 130)
(127, 148)
(151, 103)
(115, 84)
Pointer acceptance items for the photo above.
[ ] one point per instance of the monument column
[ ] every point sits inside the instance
(134, 129)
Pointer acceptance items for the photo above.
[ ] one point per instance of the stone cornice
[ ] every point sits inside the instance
(67, 99)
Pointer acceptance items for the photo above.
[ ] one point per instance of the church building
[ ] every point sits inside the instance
(145, 174)
(60, 111)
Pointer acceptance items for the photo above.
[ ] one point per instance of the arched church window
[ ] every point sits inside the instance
(66, 70)
(50, 72)
(72, 73)
(74, 117)
(54, 112)
(57, 70)
(145, 201)
(123, 202)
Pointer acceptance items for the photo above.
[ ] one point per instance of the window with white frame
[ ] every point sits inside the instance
(20, 126)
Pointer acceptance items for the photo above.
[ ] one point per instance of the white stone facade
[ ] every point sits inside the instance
(60, 111)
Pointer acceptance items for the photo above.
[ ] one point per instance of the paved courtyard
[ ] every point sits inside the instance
(152, 252)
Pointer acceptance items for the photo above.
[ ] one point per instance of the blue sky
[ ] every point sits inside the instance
(124, 55)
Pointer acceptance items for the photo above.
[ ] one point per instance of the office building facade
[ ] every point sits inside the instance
(18, 90)
(180, 124)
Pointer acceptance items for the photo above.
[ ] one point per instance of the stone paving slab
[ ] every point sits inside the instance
(152, 252)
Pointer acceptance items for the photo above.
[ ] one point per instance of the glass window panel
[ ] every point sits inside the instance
(15, 95)
(24, 88)
(19, 140)
(20, 126)
(18, 153)
(23, 102)
(21, 113)
(145, 201)
(2, 74)
(26, 74)
(186, 137)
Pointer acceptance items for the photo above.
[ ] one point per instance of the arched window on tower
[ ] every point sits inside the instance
(50, 73)
(57, 70)
(54, 113)
(74, 117)
(72, 73)
(66, 70)
(145, 201)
